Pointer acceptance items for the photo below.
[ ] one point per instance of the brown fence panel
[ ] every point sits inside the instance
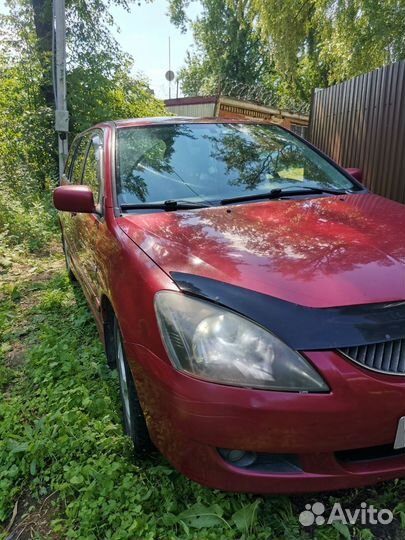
(361, 123)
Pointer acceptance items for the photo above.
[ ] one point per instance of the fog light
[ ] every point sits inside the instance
(239, 458)
(261, 461)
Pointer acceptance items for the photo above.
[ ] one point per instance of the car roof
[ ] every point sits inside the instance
(164, 120)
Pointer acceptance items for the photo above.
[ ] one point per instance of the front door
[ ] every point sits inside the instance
(69, 220)
(91, 227)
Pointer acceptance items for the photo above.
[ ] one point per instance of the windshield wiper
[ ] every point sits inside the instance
(168, 206)
(281, 192)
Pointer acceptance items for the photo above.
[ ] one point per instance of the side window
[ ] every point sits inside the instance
(69, 160)
(92, 175)
(78, 160)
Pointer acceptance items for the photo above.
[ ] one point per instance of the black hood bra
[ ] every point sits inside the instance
(303, 328)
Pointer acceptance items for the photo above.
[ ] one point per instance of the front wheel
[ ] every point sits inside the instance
(134, 420)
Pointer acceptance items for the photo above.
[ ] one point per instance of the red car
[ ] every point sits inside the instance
(251, 294)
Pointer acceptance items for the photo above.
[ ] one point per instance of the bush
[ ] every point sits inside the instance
(28, 221)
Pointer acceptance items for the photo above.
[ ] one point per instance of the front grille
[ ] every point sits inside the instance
(388, 357)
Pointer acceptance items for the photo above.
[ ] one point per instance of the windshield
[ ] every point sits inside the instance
(211, 162)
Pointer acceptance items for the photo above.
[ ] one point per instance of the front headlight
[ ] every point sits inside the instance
(216, 344)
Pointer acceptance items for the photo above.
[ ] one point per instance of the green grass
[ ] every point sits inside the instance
(62, 443)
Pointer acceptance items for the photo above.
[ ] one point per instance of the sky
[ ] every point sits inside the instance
(144, 34)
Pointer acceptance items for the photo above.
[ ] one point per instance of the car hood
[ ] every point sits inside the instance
(317, 252)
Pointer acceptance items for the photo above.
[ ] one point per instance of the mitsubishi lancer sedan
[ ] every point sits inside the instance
(250, 293)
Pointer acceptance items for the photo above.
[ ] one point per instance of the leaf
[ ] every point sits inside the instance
(169, 519)
(366, 534)
(186, 529)
(400, 510)
(15, 447)
(199, 516)
(77, 479)
(402, 518)
(245, 517)
(342, 529)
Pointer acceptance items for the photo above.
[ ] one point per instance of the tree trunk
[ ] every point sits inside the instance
(43, 28)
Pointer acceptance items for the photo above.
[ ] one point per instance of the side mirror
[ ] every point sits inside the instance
(356, 173)
(74, 198)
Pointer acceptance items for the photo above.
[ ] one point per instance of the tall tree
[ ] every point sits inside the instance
(313, 43)
(87, 31)
(228, 46)
(100, 87)
(340, 38)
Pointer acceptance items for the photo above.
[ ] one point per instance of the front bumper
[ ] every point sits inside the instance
(190, 419)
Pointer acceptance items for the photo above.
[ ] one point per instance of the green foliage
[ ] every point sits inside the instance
(28, 221)
(100, 88)
(228, 46)
(338, 39)
(27, 140)
(304, 43)
(99, 82)
(93, 97)
(196, 77)
(27, 156)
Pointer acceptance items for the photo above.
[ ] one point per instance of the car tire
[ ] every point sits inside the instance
(134, 419)
(68, 261)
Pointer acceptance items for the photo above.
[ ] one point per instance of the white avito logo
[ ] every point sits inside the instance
(365, 515)
(313, 514)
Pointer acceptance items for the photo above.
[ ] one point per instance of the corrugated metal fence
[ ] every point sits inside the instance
(361, 123)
